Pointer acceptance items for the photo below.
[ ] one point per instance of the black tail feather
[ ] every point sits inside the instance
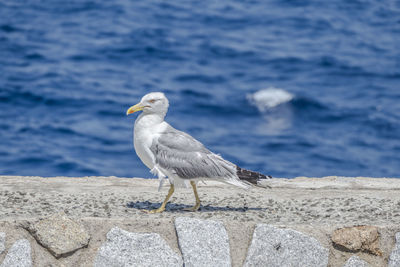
(250, 176)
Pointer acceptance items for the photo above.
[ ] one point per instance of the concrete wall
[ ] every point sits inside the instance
(316, 208)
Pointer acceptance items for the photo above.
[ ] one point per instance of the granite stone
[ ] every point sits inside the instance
(19, 255)
(59, 234)
(203, 242)
(124, 248)
(355, 261)
(273, 246)
(2, 242)
(394, 258)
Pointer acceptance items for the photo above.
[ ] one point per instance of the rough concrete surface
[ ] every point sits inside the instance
(313, 206)
(135, 249)
(275, 247)
(323, 201)
(203, 242)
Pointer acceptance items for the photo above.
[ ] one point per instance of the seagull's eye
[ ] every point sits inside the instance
(152, 101)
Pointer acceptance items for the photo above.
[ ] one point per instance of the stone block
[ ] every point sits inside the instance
(275, 247)
(355, 261)
(358, 238)
(19, 255)
(203, 242)
(135, 249)
(394, 258)
(2, 242)
(59, 234)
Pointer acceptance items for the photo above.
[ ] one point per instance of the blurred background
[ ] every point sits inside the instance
(287, 88)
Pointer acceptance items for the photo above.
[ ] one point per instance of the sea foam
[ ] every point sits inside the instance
(269, 98)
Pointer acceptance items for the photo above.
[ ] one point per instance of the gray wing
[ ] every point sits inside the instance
(186, 157)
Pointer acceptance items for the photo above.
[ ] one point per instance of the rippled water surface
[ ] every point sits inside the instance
(287, 88)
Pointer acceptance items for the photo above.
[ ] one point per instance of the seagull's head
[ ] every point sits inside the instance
(152, 103)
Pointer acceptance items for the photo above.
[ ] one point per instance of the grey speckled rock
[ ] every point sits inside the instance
(394, 259)
(2, 242)
(203, 242)
(355, 261)
(19, 255)
(135, 249)
(59, 234)
(272, 246)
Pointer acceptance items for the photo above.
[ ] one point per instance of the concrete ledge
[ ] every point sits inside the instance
(313, 206)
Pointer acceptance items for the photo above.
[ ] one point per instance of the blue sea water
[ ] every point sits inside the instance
(288, 88)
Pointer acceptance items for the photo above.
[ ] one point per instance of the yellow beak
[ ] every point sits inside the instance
(133, 109)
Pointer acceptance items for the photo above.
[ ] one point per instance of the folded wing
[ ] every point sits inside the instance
(184, 156)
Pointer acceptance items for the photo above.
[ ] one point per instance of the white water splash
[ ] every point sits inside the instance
(275, 120)
(269, 98)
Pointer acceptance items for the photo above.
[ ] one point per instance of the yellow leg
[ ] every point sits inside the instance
(162, 208)
(197, 205)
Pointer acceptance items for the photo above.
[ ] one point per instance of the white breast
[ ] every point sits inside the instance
(147, 128)
(142, 142)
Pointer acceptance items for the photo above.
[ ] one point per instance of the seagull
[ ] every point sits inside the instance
(171, 153)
